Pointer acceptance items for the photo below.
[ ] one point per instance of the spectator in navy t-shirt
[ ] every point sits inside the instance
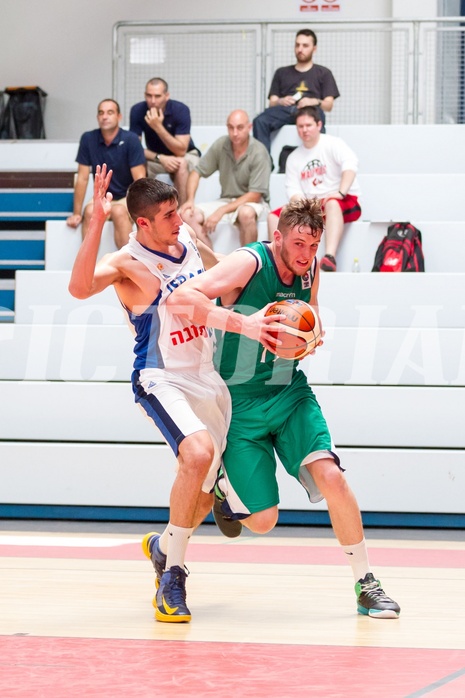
(122, 152)
(166, 125)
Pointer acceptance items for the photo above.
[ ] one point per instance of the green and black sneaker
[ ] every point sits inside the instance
(372, 601)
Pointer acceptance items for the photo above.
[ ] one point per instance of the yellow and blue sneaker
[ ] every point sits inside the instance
(153, 552)
(372, 601)
(171, 597)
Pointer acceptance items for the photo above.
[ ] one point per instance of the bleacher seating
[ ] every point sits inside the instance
(360, 241)
(389, 379)
(7, 295)
(390, 375)
(27, 200)
(399, 197)
(393, 149)
(36, 185)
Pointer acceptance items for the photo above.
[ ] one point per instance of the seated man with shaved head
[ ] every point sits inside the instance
(244, 169)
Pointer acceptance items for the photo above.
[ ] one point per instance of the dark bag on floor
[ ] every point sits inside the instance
(400, 249)
(283, 155)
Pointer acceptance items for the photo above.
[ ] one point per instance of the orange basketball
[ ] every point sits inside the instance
(303, 331)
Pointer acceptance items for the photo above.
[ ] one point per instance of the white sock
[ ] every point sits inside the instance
(357, 555)
(163, 541)
(176, 539)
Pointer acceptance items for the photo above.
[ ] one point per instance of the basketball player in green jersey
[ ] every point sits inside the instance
(274, 410)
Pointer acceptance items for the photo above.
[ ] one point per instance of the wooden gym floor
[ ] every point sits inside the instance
(273, 616)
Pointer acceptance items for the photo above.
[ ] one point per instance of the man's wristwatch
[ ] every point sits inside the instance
(156, 158)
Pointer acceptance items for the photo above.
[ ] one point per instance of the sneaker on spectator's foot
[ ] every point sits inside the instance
(171, 597)
(227, 526)
(328, 263)
(372, 601)
(152, 551)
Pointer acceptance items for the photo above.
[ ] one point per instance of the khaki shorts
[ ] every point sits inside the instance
(156, 168)
(114, 202)
(209, 207)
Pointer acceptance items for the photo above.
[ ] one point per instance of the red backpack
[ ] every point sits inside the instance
(400, 249)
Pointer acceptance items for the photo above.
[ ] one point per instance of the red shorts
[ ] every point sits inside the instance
(350, 208)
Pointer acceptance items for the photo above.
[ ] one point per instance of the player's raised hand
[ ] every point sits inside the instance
(102, 197)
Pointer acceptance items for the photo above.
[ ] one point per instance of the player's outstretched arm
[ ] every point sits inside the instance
(193, 300)
(86, 280)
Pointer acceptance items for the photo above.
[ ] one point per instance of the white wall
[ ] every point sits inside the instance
(416, 9)
(66, 48)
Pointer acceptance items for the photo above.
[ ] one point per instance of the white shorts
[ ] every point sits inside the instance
(209, 207)
(182, 403)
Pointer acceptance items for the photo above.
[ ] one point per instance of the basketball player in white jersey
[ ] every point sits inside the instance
(174, 380)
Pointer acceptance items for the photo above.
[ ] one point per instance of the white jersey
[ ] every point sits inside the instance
(164, 340)
(316, 171)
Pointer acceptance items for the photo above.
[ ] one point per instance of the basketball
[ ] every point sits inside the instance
(303, 331)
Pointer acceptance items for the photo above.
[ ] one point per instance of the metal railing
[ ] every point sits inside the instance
(388, 71)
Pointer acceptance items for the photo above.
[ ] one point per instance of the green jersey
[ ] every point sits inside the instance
(243, 364)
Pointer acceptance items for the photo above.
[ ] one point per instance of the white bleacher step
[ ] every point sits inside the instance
(419, 148)
(363, 416)
(393, 300)
(398, 197)
(81, 352)
(406, 149)
(403, 197)
(392, 148)
(42, 297)
(62, 244)
(443, 245)
(420, 356)
(87, 474)
(140, 475)
(38, 155)
(346, 300)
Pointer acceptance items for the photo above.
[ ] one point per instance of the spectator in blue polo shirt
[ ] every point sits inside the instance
(123, 153)
(166, 125)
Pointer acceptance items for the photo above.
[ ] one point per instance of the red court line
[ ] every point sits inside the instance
(271, 554)
(71, 667)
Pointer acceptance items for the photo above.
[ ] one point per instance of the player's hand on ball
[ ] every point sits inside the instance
(320, 343)
(300, 332)
(263, 327)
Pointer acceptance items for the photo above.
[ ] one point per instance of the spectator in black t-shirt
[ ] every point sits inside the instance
(304, 84)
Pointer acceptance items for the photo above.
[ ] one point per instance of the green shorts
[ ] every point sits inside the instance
(287, 421)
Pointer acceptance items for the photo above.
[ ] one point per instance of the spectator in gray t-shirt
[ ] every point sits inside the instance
(244, 169)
